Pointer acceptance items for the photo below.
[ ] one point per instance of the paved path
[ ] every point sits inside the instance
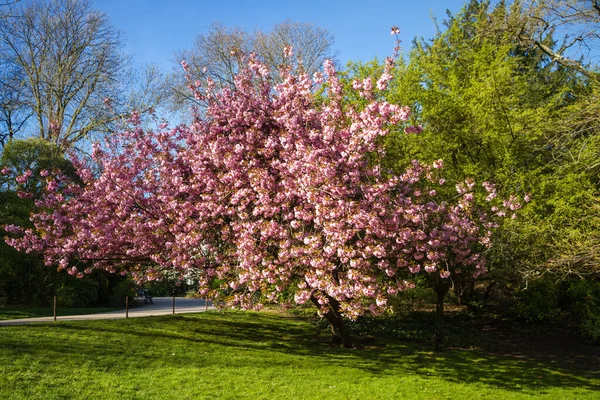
(161, 306)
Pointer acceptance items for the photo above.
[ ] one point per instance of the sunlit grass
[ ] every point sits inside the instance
(258, 356)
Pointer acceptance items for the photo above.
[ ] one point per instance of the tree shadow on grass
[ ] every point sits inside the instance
(289, 339)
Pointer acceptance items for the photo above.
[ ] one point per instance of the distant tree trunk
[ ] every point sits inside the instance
(441, 289)
(487, 292)
(339, 333)
(464, 291)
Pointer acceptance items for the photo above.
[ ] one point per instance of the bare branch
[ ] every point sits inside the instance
(576, 22)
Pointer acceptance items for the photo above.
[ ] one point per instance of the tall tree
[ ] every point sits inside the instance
(488, 104)
(275, 195)
(63, 66)
(221, 52)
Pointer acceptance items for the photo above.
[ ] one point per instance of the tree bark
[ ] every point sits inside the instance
(339, 333)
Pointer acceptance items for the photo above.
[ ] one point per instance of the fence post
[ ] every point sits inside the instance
(173, 304)
(206, 304)
(126, 306)
(55, 308)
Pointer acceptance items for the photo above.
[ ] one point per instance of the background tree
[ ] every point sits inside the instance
(220, 53)
(500, 109)
(573, 23)
(14, 112)
(489, 105)
(6, 7)
(63, 79)
(63, 66)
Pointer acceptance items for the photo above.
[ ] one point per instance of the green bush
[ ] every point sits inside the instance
(125, 288)
(537, 301)
(583, 301)
(414, 298)
(74, 293)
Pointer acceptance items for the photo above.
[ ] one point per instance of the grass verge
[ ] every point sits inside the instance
(267, 355)
(17, 313)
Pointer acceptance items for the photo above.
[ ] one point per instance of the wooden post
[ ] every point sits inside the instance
(127, 307)
(55, 308)
(173, 304)
(206, 304)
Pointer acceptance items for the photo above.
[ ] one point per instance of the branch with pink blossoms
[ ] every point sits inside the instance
(271, 196)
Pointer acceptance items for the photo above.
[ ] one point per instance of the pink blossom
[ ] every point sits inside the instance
(413, 129)
(430, 268)
(382, 82)
(414, 268)
(13, 229)
(23, 178)
(24, 195)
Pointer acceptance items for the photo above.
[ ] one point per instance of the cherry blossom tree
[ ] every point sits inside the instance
(272, 194)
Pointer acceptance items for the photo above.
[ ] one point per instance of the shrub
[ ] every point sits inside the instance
(125, 288)
(538, 301)
(77, 293)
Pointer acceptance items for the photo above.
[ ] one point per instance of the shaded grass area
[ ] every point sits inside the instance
(19, 312)
(262, 356)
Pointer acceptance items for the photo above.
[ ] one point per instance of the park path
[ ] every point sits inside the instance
(161, 306)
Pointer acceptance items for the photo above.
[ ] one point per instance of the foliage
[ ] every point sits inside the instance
(583, 302)
(573, 303)
(34, 155)
(499, 110)
(125, 288)
(538, 301)
(74, 293)
(25, 280)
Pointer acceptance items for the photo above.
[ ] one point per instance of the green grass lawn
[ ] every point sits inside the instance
(267, 355)
(15, 313)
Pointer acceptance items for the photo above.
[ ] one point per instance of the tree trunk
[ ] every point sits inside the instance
(487, 292)
(440, 289)
(464, 291)
(339, 333)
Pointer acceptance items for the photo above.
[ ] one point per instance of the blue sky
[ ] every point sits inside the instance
(154, 29)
